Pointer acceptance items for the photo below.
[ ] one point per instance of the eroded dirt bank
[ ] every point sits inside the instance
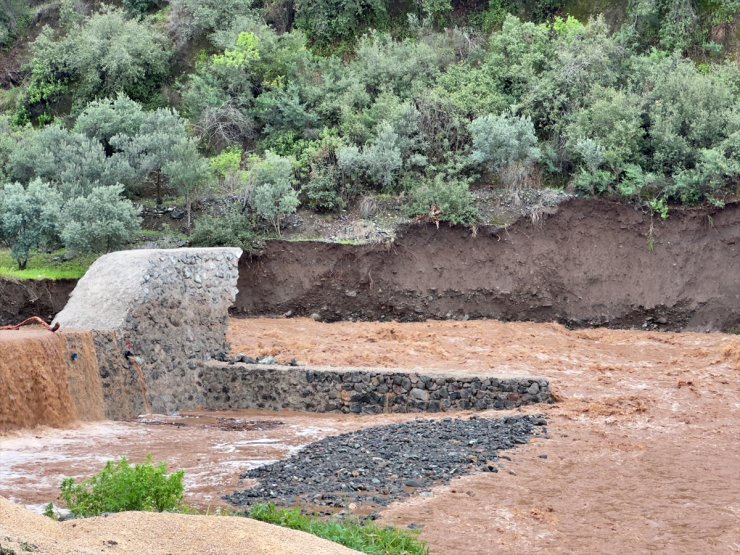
(589, 263)
(644, 449)
(21, 299)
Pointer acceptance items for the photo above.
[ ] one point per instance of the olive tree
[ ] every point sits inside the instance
(29, 218)
(139, 143)
(187, 172)
(271, 189)
(71, 162)
(101, 221)
(506, 145)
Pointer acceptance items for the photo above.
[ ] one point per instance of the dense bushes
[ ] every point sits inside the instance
(13, 16)
(103, 55)
(101, 221)
(322, 102)
(39, 216)
(444, 200)
(589, 111)
(121, 486)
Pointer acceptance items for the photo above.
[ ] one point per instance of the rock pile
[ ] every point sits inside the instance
(374, 466)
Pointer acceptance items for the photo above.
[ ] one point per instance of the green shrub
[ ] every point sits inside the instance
(123, 487)
(105, 55)
(227, 162)
(192, 19)
(322, 191)
(444, 200)
(233, 230)
(14, 14)
(271, 189)
(138, 7)
(329, 21)
(507, 145)
(29, 218)
(99, 222)
(367, 538)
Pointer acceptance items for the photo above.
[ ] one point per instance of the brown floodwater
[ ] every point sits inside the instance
(643, 454)
(213, 448)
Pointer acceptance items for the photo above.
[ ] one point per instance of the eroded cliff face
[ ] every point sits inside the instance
(22, 299)
(590, 263)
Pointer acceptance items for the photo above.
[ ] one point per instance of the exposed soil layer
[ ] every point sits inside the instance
(589, 263)
(21, 299)
(644, 448)
(374, 466)
(583, 263)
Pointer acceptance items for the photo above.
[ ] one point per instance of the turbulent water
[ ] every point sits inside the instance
(48, 380)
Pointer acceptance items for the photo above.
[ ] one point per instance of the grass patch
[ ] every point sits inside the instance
(367, 538)
(44, 266)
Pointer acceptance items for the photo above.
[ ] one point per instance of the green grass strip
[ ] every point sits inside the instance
(44, 266)
(367, 538)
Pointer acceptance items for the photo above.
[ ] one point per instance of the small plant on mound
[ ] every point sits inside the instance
(444, 200)
(125, 487)
(367, 537)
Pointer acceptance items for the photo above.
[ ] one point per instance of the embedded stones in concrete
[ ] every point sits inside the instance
(362, 391)
(165, 311)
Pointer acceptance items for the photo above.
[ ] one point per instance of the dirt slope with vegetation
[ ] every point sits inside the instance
(589, 263)
(583, 263)
(135, 533)
(256, 109)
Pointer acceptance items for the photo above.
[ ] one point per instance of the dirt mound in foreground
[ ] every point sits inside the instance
(590, 263)
(154, 534)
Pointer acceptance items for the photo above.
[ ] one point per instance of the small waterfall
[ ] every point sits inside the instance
(142, 384)
(48, 379)
(84, 377)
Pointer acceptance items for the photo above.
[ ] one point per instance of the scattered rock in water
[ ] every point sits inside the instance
(377, 465)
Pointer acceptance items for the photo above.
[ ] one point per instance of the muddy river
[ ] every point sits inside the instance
(643, 454)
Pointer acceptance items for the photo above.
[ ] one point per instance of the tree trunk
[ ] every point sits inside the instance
(187, 200)
(22, 263)
(159, 188)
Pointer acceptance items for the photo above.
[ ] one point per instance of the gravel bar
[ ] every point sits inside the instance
(375, 466)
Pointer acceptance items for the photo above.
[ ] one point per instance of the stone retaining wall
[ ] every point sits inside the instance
(362, 391)
(158, 319)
